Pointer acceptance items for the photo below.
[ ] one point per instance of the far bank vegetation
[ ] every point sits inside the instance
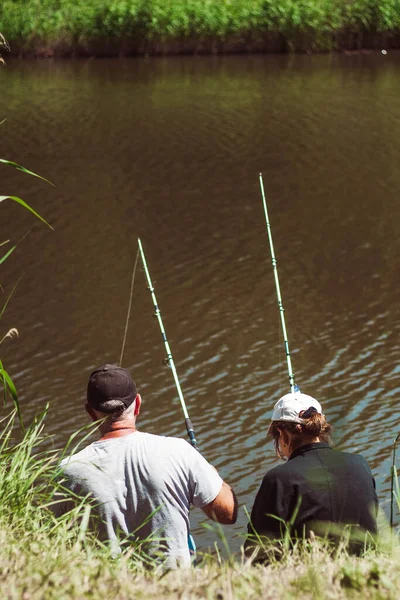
(131, 27)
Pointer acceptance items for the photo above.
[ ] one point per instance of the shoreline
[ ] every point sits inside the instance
(270, 43)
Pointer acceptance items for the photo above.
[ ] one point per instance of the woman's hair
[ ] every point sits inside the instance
(314, 425)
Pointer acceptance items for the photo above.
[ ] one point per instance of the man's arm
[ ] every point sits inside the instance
(224, 507)
(206, 483)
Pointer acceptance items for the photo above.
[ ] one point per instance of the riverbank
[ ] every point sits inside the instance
(36, 567)
(46, 28)
(44, 558)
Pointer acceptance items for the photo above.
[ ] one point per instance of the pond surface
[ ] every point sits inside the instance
(170, 150)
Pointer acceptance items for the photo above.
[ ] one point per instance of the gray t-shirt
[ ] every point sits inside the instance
(138, 475)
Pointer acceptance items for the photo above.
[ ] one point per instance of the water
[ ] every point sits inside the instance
(170, 149)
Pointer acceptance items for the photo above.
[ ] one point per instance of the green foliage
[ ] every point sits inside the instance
(361, 13)
(21, 487)
(375, 15)
(388, 15)
(119, 18)
(74, 22)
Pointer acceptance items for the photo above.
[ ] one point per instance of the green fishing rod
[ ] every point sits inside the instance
(169, 360)
(293, 387)
(394, 481)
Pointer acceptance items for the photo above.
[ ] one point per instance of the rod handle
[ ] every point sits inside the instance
(191, 434)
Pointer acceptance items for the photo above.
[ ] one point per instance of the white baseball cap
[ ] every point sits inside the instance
(289, 407)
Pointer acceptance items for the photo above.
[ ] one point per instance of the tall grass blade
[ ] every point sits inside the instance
(23, 169)
(217, 529)
(25, 205)
(289, 526)
(84, 524)
(7, 254)
(9, 298)
(9, 387)
(90, 429)
(6, 431)
(13, 248)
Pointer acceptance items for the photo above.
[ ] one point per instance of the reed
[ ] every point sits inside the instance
(7, 383)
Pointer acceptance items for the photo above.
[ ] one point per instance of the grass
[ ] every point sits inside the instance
(41, 567)
(6, 382)
(42, 558)
(394, 487)
(109, 26)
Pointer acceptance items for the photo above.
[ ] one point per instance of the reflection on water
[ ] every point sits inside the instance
(170, 149)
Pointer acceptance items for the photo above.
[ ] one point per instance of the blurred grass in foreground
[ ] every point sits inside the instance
(42, 557)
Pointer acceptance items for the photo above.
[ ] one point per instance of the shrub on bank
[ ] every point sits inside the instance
(92, 27)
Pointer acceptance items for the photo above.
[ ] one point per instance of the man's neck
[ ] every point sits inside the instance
(115, 429)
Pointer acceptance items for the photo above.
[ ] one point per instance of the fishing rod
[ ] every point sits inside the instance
(394, 481)
(293, 387)
(169, 360)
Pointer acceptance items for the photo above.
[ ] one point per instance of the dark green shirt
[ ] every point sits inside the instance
(324, 486)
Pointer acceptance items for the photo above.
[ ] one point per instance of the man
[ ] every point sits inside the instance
(317, 489)
(141, 485)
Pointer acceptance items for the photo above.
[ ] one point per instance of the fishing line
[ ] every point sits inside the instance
(169, 360)
(293, 387)
(129, 307)
(393, 479)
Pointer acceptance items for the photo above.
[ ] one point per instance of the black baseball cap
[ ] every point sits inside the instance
(111, 389)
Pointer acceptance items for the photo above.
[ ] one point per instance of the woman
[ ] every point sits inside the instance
(317, 489)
